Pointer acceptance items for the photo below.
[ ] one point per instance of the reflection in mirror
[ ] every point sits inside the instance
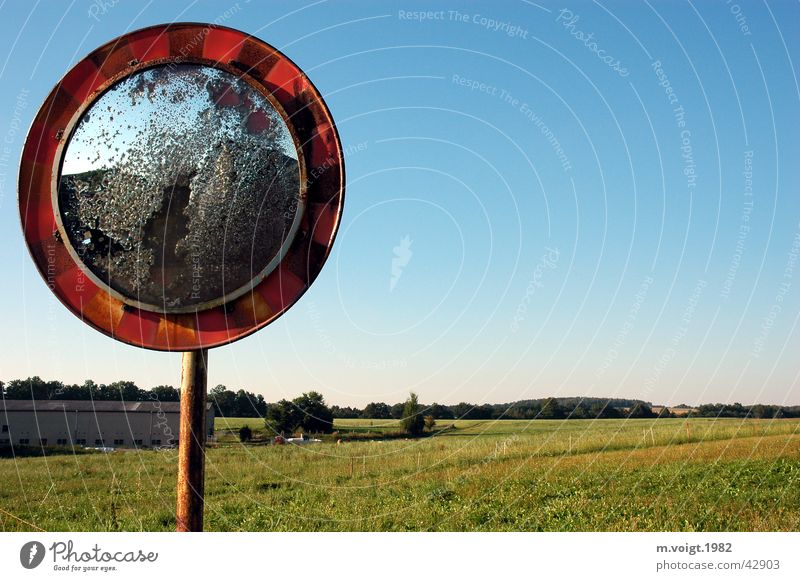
(179, 186)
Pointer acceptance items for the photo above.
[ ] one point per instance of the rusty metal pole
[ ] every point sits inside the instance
(191, 443)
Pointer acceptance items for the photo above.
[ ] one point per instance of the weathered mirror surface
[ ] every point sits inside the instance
(180, 188)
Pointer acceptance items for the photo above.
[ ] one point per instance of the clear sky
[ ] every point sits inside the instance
(593, 198)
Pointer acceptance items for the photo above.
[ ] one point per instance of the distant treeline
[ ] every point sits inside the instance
(238, 404)
(245, 404)
(737, 410)
(532, 409)
(566, 408)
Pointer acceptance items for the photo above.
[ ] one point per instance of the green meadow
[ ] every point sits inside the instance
(489, 475)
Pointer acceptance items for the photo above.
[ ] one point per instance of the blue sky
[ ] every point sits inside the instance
(560, 223)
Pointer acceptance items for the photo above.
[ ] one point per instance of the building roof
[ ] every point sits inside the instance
(62, 405)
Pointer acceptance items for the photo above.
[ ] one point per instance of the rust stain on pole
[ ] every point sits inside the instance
(191, 453)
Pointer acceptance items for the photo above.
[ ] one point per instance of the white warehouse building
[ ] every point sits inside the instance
(116, 424)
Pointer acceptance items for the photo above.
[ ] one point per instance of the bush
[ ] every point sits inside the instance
(245, 433)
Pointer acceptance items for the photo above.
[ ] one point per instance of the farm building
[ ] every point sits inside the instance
(114, 424)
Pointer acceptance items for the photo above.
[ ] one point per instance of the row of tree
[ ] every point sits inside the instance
(545, 409)
(737, 410)
(238, 404)
(39, 389)
(310, 414)
(574, 408)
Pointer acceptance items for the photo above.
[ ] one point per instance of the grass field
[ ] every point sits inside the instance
(669, 474)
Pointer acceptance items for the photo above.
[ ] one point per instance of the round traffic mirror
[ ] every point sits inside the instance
(181, 187)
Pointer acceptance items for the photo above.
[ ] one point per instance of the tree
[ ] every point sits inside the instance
(551, 410)
(245, 433)
(125, 390)
(31, 388)
(243, 406)
(440, 412)
(248, 405)
(281, 418)
(602, 409)
(578, 413)
(412, 421)
(526, 410)
(165, 393)
(90, 389)
(223, 400)
(72, 392)
(307, 413)
(314, 415)
(54, 389)
(463, 410)
(397, 411)
(105, 392)
(260, 405)
(468, 411)
(345, 412)
(430, 423)
(377, 411)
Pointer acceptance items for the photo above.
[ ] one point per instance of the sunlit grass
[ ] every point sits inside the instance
(673, 474)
